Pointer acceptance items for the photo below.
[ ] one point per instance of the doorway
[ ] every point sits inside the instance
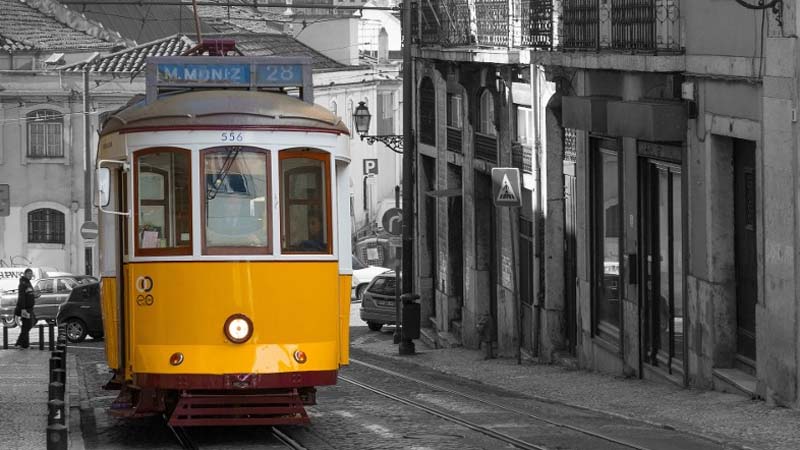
(662, 265)
(744, 213)
(570, 242)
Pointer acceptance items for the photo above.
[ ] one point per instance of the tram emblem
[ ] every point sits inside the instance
(144, 284)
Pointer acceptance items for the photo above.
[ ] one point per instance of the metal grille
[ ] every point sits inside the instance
(632, 24)
(580, 24)
(486, 147)
(493, 26)
(491, 23)
(570, 145)
(541, 23)
(427, 112)
(45, 226)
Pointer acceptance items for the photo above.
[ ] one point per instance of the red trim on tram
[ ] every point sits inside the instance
(238, 381)
(235, 127)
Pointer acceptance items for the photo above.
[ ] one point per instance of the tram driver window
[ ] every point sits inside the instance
(305, 202)
(236, 198)
(163, 202)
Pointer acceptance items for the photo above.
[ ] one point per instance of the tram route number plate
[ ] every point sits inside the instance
(279, 74)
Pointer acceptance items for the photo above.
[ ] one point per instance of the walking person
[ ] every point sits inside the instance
(26, 299)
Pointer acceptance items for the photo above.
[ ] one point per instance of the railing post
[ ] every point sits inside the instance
(41, 337)
(51, 340)
(5, 338)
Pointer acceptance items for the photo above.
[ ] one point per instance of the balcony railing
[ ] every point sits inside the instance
(623, 25)
(454, 23)
(454, 139)
(486, 147)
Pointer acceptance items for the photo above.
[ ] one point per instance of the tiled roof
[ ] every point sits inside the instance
(279, 44)
(11, 46)
(34, 25)
(232, 18)
(145, 23)
(133, 59)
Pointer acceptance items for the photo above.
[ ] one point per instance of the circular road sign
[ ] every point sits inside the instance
(89, 230)
(393, 221)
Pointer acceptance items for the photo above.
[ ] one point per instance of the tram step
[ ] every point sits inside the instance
(284, 408)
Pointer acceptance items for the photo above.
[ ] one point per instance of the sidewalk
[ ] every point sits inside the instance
(726, 418)
(24, 380)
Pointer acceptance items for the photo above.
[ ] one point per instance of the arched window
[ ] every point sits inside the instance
(334, 109)
(427, 112)
(45, 226)
(45, 130)
(487, 114)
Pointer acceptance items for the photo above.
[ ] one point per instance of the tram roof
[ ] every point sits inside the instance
(222, 109)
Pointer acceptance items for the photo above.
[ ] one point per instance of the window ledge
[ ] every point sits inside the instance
(44, 246)
(35, 160)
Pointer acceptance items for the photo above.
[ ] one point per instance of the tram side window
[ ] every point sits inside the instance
(236, 205)
(305, 202)
(163, 202)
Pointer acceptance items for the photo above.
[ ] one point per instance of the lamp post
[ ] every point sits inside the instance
(403, 144)
(362, 118)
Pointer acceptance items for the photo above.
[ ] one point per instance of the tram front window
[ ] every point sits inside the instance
(163, 202)
(236, 212)
(305, 202)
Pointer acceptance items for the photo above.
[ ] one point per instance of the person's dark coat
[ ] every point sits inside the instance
(26, 298)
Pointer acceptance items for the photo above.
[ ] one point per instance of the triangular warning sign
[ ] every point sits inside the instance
(506, 193)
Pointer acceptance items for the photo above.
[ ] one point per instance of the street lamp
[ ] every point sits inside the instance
(361, 119)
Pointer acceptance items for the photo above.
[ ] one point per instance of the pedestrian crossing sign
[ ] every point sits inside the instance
(505, 187)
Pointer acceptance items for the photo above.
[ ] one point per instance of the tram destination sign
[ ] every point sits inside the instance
(246, 72)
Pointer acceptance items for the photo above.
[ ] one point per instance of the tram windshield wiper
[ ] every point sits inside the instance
(230, 157)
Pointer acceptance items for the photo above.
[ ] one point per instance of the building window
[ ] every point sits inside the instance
(524, 133)
(386, 113)
(45, 226)
(45, 130)
(333, 108)
(427, 112)
(305, 202)
(454, 111)
(162, 197)
(236, 206)
(486, 114)
(350, 111)
(607, 225)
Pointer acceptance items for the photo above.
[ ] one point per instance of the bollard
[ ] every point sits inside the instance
(5, 337)
(41, 337)
(55, 390)
(56, 412)
(57, 437)
(55, 363)
(60, 355)
(51, 340)
(62, 346)
(58, 375)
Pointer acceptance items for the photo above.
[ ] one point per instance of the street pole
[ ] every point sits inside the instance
(407, 345)
(397, 288)
(88, 166)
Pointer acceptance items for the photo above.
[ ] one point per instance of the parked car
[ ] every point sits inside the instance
(378, 304)
(81, 313)
(51, 291)
(362, 276)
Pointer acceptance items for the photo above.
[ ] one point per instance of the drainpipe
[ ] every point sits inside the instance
(536, 166)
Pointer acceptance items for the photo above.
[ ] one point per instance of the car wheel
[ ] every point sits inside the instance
(76, 330)
(360, 291)
(11, 321)
(374, 326)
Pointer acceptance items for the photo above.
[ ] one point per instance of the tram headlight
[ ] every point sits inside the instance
(238, 328)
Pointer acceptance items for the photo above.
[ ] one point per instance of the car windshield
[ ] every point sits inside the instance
(357, 264)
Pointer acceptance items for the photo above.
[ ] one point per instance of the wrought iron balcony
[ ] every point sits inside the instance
(454, 23)
(622, 25)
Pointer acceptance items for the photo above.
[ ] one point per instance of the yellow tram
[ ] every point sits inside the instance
(224, 242)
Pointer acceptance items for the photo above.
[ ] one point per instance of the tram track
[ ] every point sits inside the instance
(590, 434)
(185, 440)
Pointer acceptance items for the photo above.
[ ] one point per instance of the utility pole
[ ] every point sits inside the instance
(87, 177)
(407, 345)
